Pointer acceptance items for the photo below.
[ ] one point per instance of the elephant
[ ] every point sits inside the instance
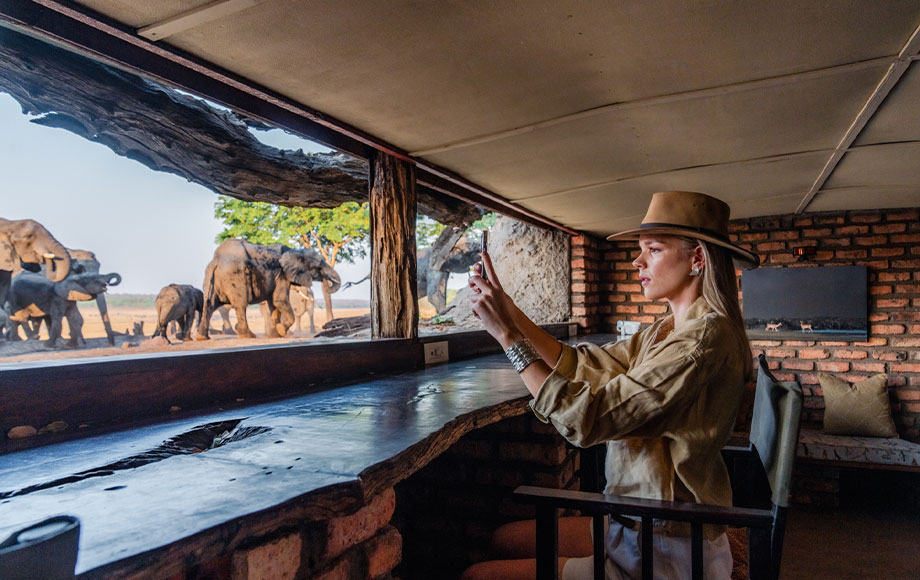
(85, 262)
(28, 242)
(302, 302)
(33, 296)
(243, 273)
(180, 303)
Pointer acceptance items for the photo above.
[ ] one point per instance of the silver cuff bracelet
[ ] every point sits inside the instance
(521, 354)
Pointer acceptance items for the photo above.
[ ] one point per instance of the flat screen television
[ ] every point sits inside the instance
(824, 303)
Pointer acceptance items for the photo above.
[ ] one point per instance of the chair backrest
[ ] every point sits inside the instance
(775, 429)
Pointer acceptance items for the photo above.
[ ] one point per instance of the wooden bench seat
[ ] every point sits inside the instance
(858, 452)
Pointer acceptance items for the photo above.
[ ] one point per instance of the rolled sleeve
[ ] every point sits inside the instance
(547, 398)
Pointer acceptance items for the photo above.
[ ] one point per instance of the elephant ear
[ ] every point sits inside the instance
(292, 265)
(70, 290)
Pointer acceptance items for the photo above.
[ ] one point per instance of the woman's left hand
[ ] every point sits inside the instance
(492, 306)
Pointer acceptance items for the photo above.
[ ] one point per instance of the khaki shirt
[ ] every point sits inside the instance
(664, 400)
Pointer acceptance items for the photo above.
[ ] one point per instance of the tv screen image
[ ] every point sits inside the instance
(824, 303)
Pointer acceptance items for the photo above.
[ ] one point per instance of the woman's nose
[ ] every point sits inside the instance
(637, 263)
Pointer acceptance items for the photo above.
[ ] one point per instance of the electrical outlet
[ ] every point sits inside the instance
(436, 352)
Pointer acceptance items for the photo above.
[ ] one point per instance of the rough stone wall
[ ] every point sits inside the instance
(533, 265)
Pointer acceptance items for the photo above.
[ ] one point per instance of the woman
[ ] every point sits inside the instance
(664, 400)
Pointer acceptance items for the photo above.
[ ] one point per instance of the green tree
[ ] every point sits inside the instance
(427, 230)
(338, 233)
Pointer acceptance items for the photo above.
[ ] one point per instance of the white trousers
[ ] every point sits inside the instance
(671, 553)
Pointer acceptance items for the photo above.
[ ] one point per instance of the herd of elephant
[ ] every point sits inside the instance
(41, 281)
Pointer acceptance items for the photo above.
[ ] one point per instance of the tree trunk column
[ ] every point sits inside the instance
(394, 296)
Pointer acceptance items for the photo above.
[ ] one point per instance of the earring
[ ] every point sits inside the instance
(695, 271)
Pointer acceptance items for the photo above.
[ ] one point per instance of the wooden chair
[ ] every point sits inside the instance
(762, 475)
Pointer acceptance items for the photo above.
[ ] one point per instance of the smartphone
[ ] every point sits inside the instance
(485, 248)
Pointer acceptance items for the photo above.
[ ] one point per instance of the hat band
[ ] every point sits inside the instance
(705, 231)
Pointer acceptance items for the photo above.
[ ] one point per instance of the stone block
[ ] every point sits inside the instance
(384, 552)
(341, 570)
(346, 531)
(276, 560)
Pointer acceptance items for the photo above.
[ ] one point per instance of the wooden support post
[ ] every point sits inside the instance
(394, 296)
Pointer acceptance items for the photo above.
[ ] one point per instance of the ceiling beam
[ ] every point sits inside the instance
(104, 38)
(195, 17)
(892, 76)
(618, 180)
(758, 84)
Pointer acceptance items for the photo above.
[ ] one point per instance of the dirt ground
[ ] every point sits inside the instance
(123, 320)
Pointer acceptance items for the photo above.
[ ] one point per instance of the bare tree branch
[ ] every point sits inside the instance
(170, 131)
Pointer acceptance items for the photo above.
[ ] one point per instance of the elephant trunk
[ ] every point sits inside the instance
(331, 281)
(57, 262)
(112, 279)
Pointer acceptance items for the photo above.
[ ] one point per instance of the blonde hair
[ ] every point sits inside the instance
(719, 287)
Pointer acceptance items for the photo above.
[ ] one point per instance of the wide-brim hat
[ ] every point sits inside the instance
(692, 215)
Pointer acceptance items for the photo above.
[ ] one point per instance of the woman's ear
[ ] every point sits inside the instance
(698, 259)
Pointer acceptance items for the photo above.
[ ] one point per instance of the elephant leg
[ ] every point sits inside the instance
(310, 307)
(226, 327)
(185, 326)
(75, 323)
(31, 327)
(54, 330)
(283, 316)
(6, 277)
(268, 318)
(13, 335)
(242, 325)
(204, 322)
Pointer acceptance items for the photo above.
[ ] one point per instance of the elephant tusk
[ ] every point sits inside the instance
(299, 291)
(48, 256)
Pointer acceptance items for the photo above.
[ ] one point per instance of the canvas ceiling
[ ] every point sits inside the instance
(580, 110)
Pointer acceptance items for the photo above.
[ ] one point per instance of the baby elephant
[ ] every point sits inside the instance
(178, 302)
(33, 296)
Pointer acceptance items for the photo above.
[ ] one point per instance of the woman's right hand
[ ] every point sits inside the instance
(492, 305)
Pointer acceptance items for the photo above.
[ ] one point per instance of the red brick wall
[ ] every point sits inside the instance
(587, 278)
(887, 242)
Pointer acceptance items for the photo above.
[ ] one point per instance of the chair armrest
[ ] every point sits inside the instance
(733, 452)
(598, 503)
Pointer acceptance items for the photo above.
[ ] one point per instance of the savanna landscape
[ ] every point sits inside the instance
(127, 309)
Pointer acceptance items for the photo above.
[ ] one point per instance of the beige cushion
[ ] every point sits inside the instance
(860, 409)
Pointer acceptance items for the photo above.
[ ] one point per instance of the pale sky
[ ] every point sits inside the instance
(153, 228)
